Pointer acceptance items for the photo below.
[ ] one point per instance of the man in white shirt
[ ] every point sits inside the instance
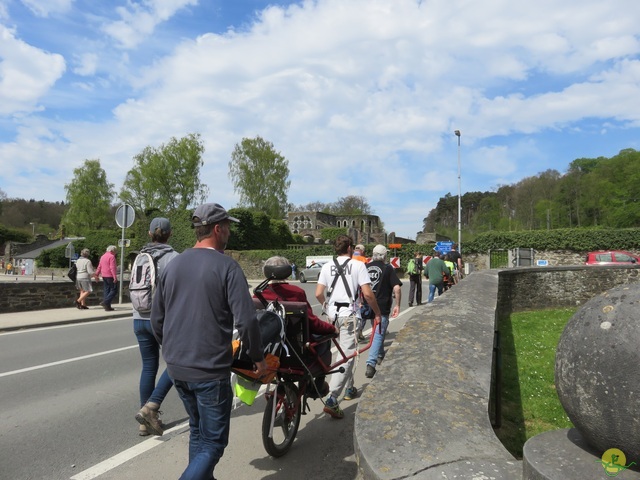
(338, 294)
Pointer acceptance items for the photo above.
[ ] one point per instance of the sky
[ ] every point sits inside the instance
(362, 97)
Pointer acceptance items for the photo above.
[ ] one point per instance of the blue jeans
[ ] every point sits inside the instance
(150, 353)
(110, 290)
(377, 346)
(432, 291)
(209, 407)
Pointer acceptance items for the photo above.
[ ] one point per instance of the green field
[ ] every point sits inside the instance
(530, 404)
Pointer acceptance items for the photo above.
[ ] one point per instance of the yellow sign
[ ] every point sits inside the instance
(614, 461)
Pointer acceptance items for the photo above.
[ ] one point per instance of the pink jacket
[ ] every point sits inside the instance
(107, 266)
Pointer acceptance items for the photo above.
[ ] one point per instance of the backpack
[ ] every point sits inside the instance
(73, 273)
(142, 285)
(411, 267)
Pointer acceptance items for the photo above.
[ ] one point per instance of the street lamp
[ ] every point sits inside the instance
(457, 133)
(33, 229)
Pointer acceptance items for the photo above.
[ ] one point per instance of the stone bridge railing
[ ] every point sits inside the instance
(426, 412)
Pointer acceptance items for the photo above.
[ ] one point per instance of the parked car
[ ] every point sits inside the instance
(310, 273)
(610, 257)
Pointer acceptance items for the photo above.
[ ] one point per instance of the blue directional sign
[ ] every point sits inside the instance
(444, 247)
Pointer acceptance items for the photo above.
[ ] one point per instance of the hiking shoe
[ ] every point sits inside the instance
(149, 416)
(351, 393)
(379, 359)
(371, 371)
(142, 431)
(332, 408)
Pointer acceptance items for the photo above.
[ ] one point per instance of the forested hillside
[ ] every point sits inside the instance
(595, 192)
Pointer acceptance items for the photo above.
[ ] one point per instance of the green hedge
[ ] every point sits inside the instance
(572, 239)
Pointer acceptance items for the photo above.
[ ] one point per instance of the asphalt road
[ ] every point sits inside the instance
(68, 396)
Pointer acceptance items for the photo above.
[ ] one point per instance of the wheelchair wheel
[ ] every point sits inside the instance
(287, 420)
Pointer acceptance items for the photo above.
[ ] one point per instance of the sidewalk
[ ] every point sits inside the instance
(59, 316)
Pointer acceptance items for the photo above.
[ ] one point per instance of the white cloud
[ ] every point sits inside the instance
(362, 97)
(43, 8)
(26, 73)
(138, 20)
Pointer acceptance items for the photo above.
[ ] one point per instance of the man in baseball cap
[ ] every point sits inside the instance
(209, 214)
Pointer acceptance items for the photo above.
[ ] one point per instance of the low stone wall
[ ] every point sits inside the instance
(426, 412)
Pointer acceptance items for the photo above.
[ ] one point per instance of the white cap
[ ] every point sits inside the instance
(380, 250)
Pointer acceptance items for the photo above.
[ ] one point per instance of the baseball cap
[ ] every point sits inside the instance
(380, 250)
(160, 223)
(360, 247)
(211, 213)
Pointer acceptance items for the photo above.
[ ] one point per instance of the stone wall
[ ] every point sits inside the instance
(26, 296)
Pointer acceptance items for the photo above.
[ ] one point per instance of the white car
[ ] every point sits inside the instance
(310, 273)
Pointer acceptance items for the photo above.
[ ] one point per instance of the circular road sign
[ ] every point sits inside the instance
(125, 215)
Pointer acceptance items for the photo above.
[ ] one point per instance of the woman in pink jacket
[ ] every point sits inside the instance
(107, 269)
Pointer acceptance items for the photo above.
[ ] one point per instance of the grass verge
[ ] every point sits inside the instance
(530, 404)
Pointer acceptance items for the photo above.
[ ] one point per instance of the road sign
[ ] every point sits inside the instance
(444, 247)
(395, 245)
(125, 215)
(395, 262)
(69, 251)
(126, 242)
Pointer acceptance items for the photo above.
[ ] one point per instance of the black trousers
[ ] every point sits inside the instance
(415, 288)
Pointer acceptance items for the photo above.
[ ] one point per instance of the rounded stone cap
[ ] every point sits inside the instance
(598, 370)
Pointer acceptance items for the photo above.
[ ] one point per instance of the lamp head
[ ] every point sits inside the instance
(457, 133)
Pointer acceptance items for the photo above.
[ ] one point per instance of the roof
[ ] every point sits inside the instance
(58, 243)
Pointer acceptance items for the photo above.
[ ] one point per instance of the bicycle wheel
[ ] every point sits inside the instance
(287, 420)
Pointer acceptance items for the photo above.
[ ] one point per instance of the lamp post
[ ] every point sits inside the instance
(457, 133)
(33, 228)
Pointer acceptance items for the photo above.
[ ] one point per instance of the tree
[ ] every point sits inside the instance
(166, 178)
(351, 205)
(89, 197)
(260, 175)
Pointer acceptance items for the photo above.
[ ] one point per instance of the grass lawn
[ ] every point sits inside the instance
(530, 404)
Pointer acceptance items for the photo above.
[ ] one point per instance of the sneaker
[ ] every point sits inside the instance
(351, 393)
(332, 408)
(149, 416)
(371, 371)
(411, 304)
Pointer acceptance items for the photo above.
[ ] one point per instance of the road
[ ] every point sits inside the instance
(68, 395)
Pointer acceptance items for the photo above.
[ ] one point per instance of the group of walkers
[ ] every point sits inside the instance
(442, 271)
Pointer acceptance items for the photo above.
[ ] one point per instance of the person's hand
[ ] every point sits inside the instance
(260, 368)
(336, 330)
(396, 311)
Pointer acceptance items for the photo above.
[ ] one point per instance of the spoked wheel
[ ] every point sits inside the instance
(287, 420)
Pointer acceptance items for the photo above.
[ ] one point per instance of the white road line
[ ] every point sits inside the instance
(61, 362)
(123, 457)
(28, 329)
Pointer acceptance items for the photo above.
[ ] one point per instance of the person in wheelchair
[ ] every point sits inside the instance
(283, 291)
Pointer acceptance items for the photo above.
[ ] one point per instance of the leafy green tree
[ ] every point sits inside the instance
(167, 178)
(89, 197)
(351, 205)
(260, 175)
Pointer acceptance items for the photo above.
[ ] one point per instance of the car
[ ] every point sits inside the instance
(311, 273)
(610, 257)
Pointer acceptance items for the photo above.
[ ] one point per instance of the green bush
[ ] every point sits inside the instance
(573, 239)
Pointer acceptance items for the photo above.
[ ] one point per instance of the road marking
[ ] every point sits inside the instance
(129, 454)
(62, 362)
(27, 329)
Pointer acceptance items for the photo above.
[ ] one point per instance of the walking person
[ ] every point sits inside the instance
(83, 278)
(414, 269)
(152, 394)
(199, 296)
(456, 258)
(337, 291)
(107, 268)
(435, 271)
(386, 286)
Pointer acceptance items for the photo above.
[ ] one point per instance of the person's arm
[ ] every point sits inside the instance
(370, 297)
(157, 311)
(397, 292)
(320, 288)
(113, 267)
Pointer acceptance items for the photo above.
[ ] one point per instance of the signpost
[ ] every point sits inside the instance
(69, 252)
(444, 247)
(125, 215)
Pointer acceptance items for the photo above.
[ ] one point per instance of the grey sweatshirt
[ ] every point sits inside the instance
(199, 295)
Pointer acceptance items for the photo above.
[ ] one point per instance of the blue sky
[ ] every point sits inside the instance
(361, 96)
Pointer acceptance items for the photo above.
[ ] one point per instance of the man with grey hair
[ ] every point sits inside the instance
(200, 296)
(108, 270)
(386, 286)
